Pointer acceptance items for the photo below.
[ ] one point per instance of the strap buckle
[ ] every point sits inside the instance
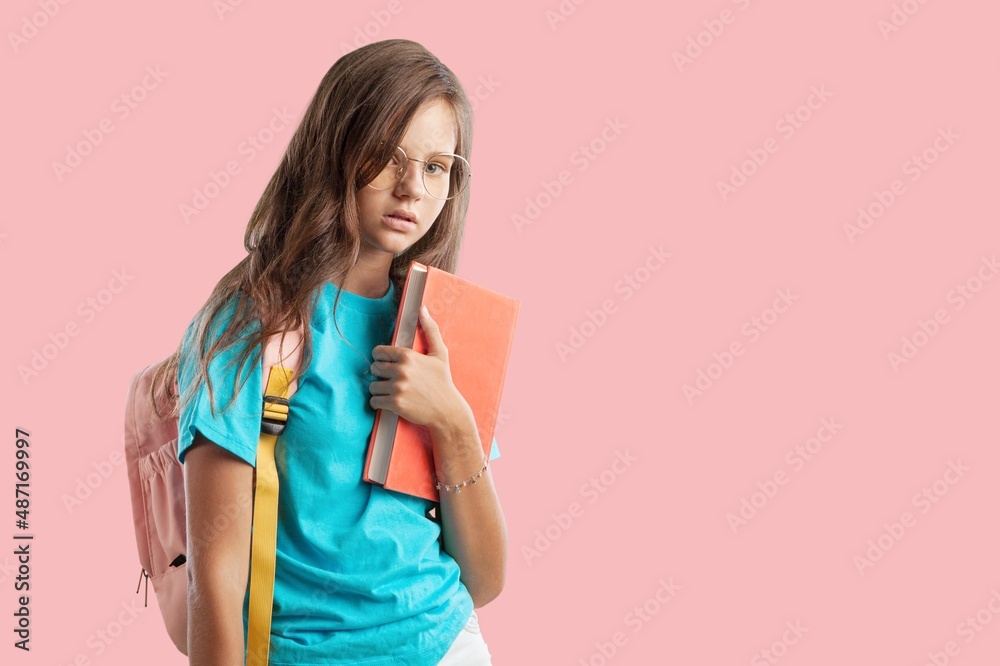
(275, 415)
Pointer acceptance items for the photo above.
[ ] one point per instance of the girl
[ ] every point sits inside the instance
(375, 176)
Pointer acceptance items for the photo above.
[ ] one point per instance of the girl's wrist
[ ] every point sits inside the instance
(456, 425)
(457, 486)
(458, 452)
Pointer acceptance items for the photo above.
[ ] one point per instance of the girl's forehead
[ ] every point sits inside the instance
(425, 148)
(431, 130)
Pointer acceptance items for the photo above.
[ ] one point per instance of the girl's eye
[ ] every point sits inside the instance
(440, 169)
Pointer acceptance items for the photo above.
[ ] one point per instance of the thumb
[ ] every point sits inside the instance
(435, 344)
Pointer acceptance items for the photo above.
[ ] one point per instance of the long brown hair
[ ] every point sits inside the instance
(305, 229)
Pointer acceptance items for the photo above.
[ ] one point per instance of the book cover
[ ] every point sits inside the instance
(477, 326)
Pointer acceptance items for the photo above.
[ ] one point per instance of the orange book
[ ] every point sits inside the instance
(477, 326)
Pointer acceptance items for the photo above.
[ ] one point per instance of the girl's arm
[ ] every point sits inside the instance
(473, 530)
(419, 388)
(216, 482)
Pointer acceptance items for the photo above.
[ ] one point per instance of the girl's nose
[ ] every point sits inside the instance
(411, 182)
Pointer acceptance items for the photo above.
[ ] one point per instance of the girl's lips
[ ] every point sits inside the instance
(398, 223)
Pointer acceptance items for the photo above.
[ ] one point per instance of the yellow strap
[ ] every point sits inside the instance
(264, 536)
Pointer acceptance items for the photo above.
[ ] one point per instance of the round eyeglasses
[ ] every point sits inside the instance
(445, 175)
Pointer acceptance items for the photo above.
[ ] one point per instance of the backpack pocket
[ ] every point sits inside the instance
(171, 596)
(162, 479)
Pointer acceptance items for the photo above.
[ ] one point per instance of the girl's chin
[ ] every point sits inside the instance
(391, 244)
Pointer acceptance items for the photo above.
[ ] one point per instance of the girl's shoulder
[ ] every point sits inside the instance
(196, 345)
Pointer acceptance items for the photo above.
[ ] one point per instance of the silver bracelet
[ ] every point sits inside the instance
(458, 486)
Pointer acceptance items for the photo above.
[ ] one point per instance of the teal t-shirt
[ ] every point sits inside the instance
(360, 575)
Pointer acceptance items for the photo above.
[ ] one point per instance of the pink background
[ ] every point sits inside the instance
(584, 561)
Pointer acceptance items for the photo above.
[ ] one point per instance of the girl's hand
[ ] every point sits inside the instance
(418, 387)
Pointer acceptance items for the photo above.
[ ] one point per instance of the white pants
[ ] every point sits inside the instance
(469, 649)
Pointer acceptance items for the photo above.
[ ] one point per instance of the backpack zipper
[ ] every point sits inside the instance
(141, 574)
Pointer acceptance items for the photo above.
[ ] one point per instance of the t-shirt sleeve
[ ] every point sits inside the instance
(494, 450)
(237, 428)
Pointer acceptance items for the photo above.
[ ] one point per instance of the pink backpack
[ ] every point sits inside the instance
(156, 483)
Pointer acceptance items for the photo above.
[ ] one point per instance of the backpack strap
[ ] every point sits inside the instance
(279, 385)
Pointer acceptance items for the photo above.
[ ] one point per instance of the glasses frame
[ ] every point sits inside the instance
(406, 163)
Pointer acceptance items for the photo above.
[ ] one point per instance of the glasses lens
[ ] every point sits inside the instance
(446, 176)
(391, 172)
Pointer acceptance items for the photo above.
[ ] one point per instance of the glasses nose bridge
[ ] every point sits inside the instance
(404, 167)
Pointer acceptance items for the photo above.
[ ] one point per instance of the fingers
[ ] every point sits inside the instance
(432, 332)
(380, 388)
(387, 369)
(389, 353)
